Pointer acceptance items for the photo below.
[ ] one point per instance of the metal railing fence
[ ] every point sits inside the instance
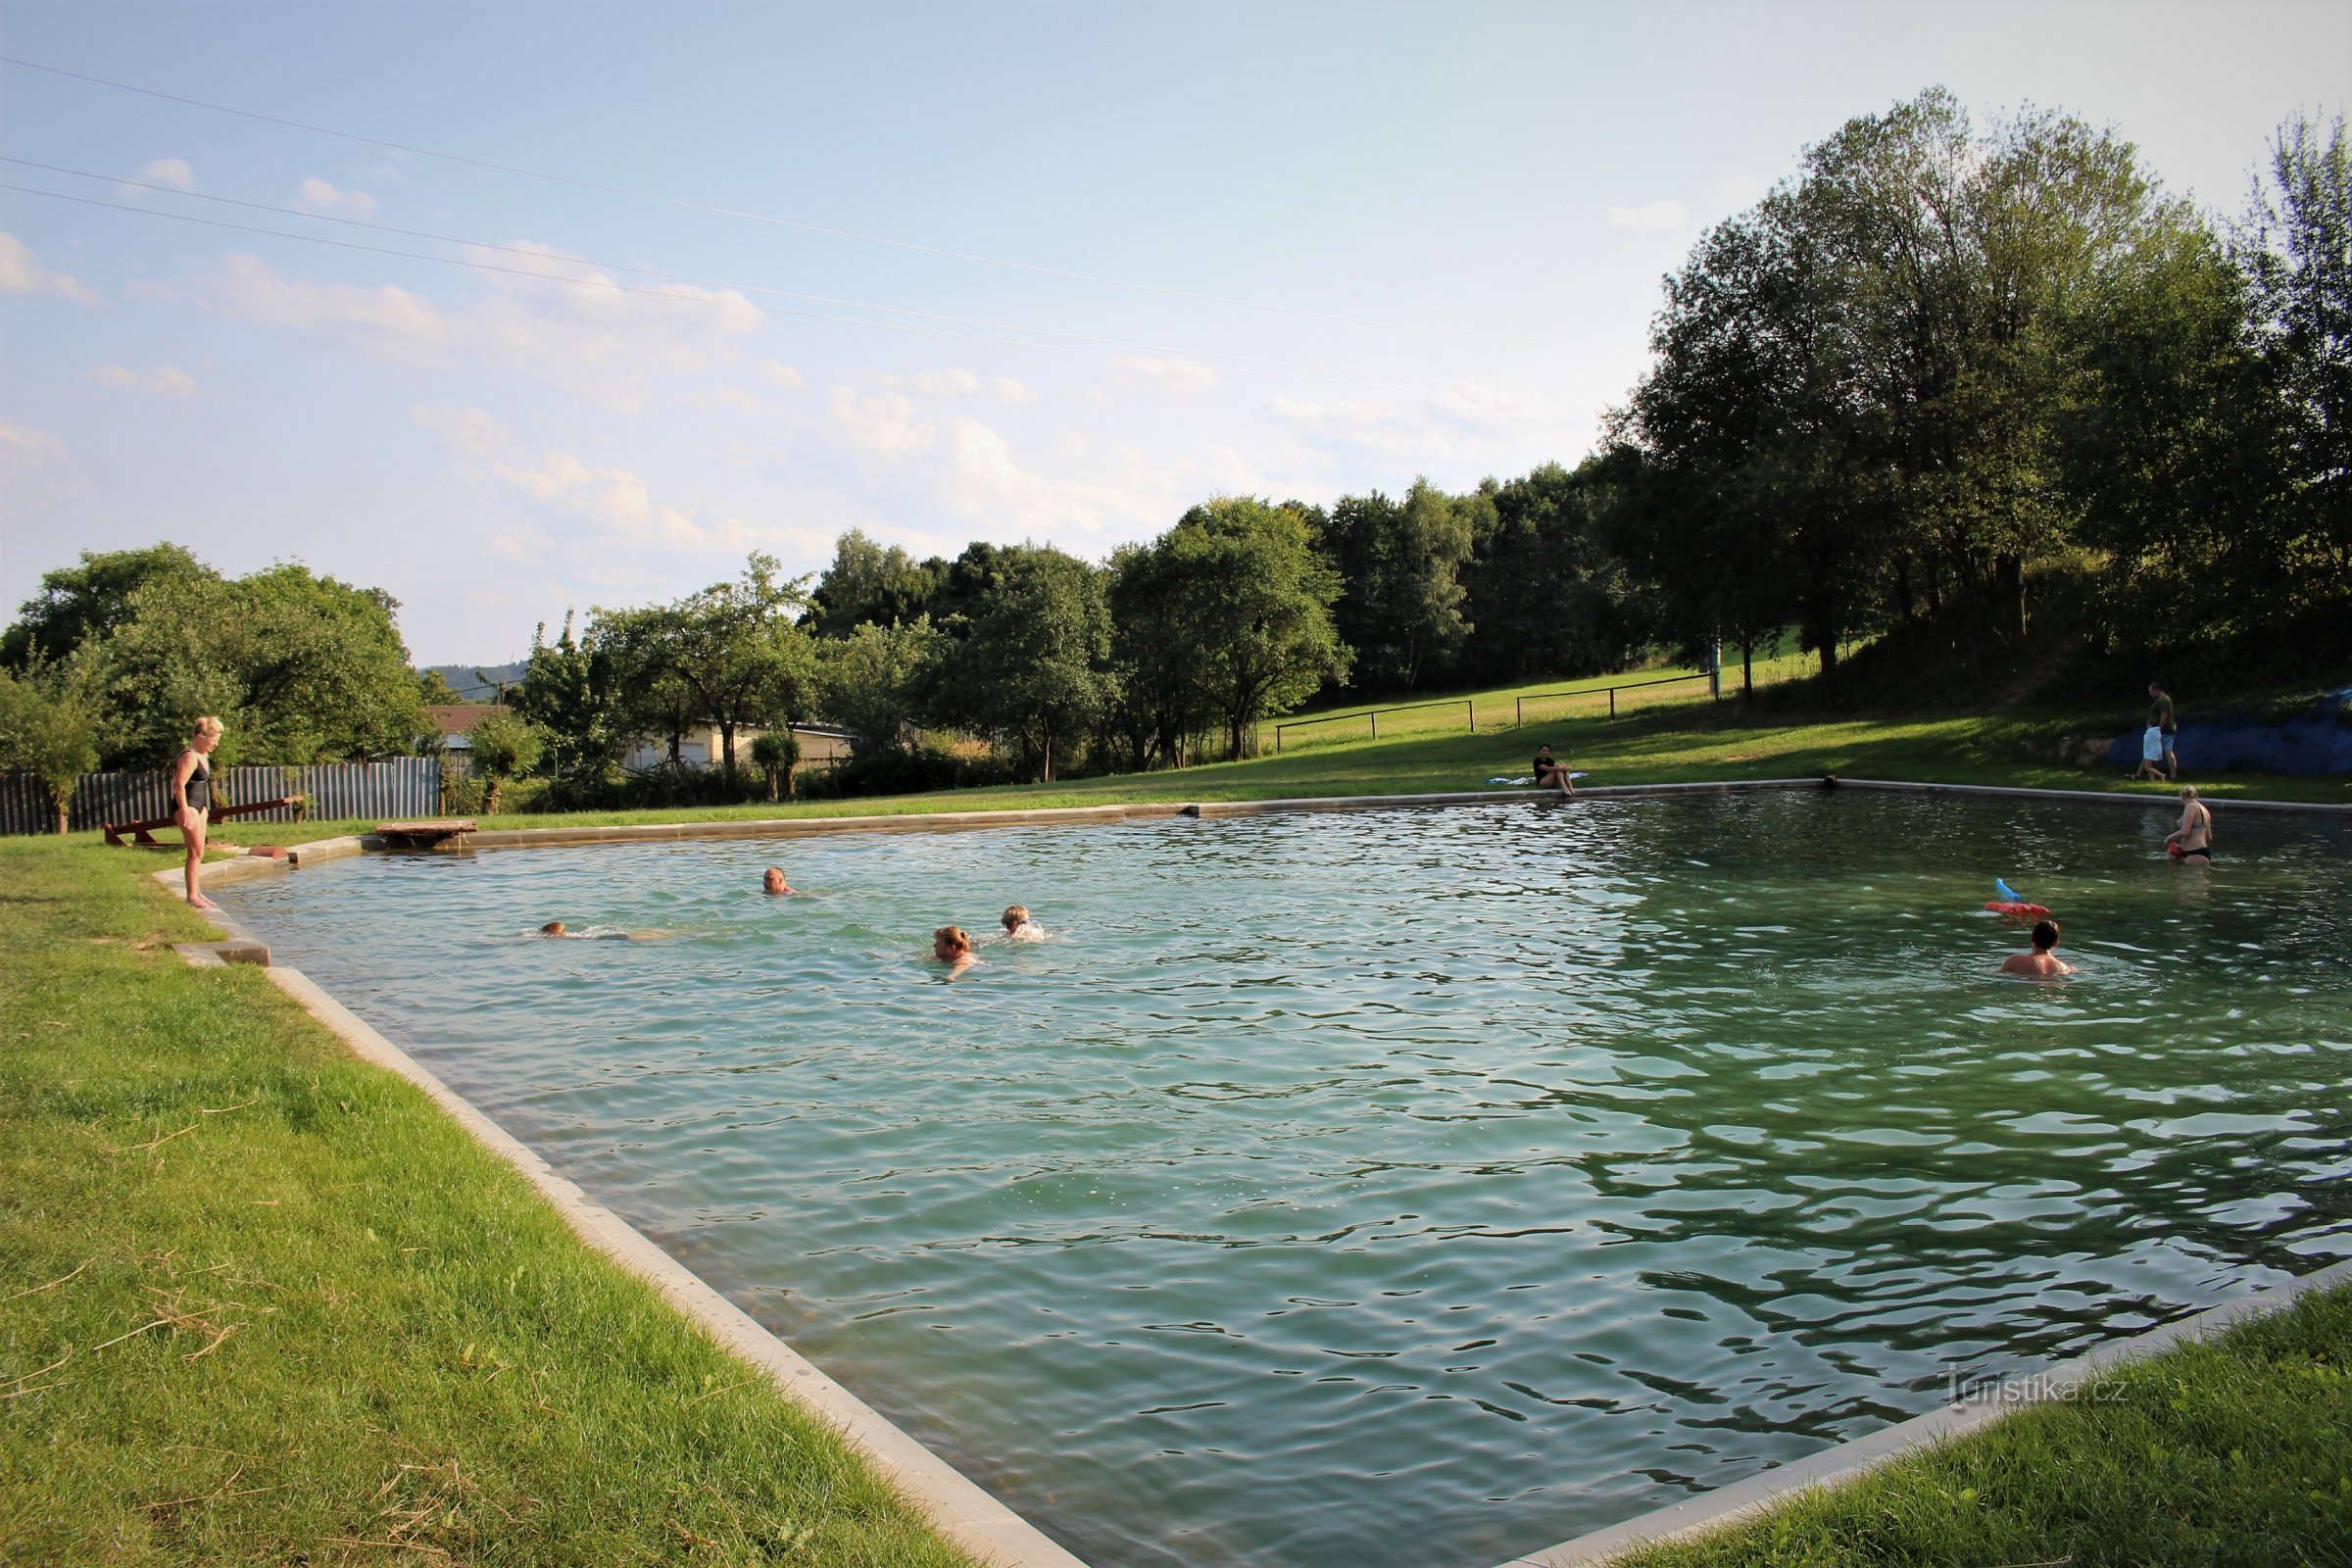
(399, 786)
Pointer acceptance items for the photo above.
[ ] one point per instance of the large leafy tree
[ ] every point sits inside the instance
(1033, 669)
(301, 668)
(873, 681)
(1231, 618)
(572, 689)
(1544, 590)
(79, 604)
(868, 583)
(730, 654)
(51, 722)
(1400, 563)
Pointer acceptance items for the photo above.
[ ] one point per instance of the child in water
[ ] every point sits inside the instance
(773, 883)
(2044, 961)
(1019, 927)
(952, 945)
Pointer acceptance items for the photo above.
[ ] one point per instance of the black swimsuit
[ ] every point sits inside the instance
(199, 788)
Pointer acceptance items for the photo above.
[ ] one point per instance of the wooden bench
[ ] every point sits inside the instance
(142, 833)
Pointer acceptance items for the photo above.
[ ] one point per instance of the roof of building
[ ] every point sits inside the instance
(458, 718)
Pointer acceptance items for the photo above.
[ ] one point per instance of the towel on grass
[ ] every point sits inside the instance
(1573, 776)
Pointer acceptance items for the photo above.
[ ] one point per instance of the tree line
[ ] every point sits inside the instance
(1943, 387)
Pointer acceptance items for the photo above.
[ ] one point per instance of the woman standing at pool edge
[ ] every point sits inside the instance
(192, 799)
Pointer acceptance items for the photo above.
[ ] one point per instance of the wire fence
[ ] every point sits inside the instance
(400, 786)
(1469, 705)
(1519, 712)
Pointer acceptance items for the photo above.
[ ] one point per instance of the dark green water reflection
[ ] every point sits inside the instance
(1414, 1187)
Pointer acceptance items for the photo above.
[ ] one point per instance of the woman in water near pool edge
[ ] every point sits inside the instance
(192, 801)
(2193, 838)
(952, 945)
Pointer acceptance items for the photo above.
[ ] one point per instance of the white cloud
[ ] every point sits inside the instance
(171, 172)
(623, 504)
(601, 345)
(986, 484)
(1179, 376)
(782, 374)
(40, 469)
(1741, 190)
(880, 423)
(1657, 214)
(166, 380)
(317, 196)
(470, 432)
(727, 397)
(22, 273)
(957, 382)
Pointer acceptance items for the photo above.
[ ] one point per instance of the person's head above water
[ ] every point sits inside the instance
(2045, 935)
(950, 944)
(554, 928)
(772, 880)
(1016, 915)
(2189, 791)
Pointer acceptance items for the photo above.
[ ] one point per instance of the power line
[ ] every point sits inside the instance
(634, 288)
(756, 217)
(1383, 378)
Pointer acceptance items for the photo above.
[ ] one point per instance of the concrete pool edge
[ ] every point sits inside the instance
(1742, 1501)
(957, 1506)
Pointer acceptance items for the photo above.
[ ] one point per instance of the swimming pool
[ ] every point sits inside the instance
(1418, 1186)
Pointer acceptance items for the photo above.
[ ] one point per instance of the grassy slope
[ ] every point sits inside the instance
(259, 1302)
(2238, 1450)
(1684, 739)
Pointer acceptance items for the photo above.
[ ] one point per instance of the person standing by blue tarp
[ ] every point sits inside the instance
(2166, 726)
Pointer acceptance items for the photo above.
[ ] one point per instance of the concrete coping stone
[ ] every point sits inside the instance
(1847, 1461)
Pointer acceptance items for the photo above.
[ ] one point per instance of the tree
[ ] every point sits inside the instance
(867, 583)
(1545, 592)
(873, 681)
(301, 668)
(1033, 669)
(1232, 611)
(572, 689)
(2297, 250)
(1400, 564)
(778, 752)
(434, 690)
(50, 724)
(733, 649)
(81, 604)
(504, 745)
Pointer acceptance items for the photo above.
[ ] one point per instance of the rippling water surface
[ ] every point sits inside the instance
(1412, 1187)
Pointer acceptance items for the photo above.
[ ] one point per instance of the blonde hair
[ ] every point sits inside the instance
(954, 937)
(209, 726)
(1015, 915)
(2189, 791)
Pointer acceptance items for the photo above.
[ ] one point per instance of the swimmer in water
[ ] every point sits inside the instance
(1019, 927)
(557, 929)
(773, 883)
(554, 928)
(952, 945)
(2044, 961)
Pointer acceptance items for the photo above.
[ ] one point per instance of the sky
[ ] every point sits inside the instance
(655, 286)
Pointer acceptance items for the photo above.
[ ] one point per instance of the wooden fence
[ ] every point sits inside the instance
(401, 787)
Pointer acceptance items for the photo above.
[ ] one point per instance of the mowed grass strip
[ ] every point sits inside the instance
(1681, 742)
(2233, 1451)
(262, 1303)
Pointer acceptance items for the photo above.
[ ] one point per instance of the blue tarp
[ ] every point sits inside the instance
(2316, 740)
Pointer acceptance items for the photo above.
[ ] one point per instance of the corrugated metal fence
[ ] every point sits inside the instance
(402, 787)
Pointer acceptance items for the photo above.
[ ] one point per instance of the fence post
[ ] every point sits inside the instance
(1471, 702)
(1518, 711)
(1612, 702)
(1278, 729)
(1374, 715)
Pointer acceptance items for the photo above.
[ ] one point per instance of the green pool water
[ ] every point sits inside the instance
(1412, 1187)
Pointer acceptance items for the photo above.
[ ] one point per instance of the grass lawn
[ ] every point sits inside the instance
(1689, 738)
(262, 1303)
(2235, 1450)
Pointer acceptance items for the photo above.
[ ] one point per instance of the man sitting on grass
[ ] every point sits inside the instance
(2044, 961)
